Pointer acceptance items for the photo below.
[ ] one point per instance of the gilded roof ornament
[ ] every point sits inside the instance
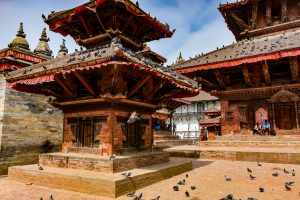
(20, 41)
(179, 59)
(43, 46)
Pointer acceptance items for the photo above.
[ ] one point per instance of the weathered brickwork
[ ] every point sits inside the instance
(26, 121)
(100, 164)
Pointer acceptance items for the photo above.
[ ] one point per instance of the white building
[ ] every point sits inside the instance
(188, 120)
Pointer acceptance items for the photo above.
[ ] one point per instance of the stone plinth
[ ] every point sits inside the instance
(99, 183)
(98, 163)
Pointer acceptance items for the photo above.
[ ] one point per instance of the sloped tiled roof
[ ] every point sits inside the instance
(96, 56)
(280, 42)
(202, 96)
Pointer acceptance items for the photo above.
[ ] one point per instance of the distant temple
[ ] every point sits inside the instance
(256, 78)
(24, 117)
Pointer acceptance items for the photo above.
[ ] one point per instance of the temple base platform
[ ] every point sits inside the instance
(99, 183)
(92, 162)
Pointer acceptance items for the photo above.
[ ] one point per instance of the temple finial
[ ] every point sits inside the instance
(43, 46)
(180, 58)
(63, 51)
(21, 31)
(20, 41)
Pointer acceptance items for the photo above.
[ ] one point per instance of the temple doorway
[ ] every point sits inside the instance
(285, 117)
(261, 115)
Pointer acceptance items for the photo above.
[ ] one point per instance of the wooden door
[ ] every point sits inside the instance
(285, 117)
(87, 134)
(131, 138)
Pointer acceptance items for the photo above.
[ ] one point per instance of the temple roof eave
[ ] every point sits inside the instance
(246, 51)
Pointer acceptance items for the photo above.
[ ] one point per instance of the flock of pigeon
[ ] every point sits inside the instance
(287, 185)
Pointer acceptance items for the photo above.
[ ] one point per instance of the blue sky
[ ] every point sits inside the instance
(199, 25)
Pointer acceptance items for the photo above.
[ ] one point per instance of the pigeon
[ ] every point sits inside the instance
(249, 170)
(175, 188)
(275, 174)
(138, 197)
(285, 171)
(290, 183)
(89, 55)
(186, 175)
(287, 187)
(193, 187)
(187, 194)
(137, 4)
(251, 198)
(227, 178)
(252, 177)
(293, 173)
(40, 167)
(258, 164)
(44, 17)
(41, 198)
(44, 67)
(261, 189)
(112, 157)
(181, 182)
(156, 198)
(127, 174)
(131, 194)
(51, 197)
(228, 197)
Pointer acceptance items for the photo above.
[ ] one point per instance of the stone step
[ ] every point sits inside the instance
(165, 137)
(111, 185)
(256, 138)
(169, 143)
(162, 132)
(277, 144)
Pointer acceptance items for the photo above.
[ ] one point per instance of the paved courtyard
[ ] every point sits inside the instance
(207, 176)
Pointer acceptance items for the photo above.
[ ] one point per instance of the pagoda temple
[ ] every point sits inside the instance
(256, 78)
(109, 93)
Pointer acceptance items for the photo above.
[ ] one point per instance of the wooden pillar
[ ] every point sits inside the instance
(246, 75)
(112, 116)
(220, 79)
(296, 113)
(284, 17)
(294, 69)
(269, 12)
(254, 14)
(273, 114)
(266, 72)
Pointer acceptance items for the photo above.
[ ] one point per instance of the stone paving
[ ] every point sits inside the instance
(208, 176)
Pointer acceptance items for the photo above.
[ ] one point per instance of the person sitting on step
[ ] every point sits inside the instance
(266, 127)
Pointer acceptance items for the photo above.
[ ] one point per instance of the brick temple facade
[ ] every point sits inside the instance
(257, 77)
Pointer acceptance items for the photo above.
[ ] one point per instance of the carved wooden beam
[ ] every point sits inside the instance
(269, 12)
(48, 91)
(220, 79)
(127, 22)
(85, 83)
(155, 89)
(266, 72)
(139, 84)
(254, 14)
(239, 21)
(284, 17)
(170, 94)
(86, 27)
(246, 76)
(65, 87)
(294, 69)
(203, 80)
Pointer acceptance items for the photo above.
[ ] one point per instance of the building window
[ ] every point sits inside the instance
(201, 107)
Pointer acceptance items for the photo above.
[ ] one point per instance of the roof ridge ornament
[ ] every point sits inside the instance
(43, 46)
(20, 41)
(63, 51)
(21, 31)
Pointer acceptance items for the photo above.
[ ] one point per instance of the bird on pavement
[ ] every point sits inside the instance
(228, 178)
(40, 167)
(193, 187)
(285, 171)
(113, 157)
(249, 170)
(187, 194)
(258, 164)
(51, 197)
(290, 183)
(156, 198)
(293, 173)
(261, 189)
(252, 177)
(228, 197)
(131, 194)
(252, 198)
(288, 188)
(275, 174)
(127, 174)
(175, 188)
(186, 175)
(138, 197)
(181, 182)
